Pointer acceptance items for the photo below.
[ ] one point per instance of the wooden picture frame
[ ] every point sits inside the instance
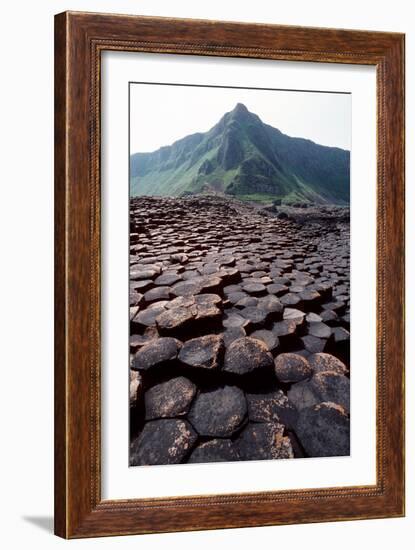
(79, 40)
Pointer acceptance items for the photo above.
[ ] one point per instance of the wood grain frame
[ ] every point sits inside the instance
(79, 40)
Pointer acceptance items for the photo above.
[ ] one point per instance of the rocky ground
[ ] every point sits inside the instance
(239, 332)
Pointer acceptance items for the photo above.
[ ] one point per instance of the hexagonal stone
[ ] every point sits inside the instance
(167, 279)
(272, 305)
(303, 395)
(255, 316)
(235, 297)
(147, 318)
(313, 318)
(277, 289)
(174, 320)
(322, 362)
(291, 314)
(218, 413)
(313, 344)
(319, 330)
(268, 337)
(329, 317)
(234, 320)
(247, 301)
(247, 355)
(156, 353)
(169, 399)
(186, 288)
(271, 407)
(215, 450)
(291, 368)
(264, 442)
(311, 300)
(204, 352)
(157, 294)
(324, 430)
(333, 387)
(231, 334)
(166, 441)
(290, 299)
(254, 289)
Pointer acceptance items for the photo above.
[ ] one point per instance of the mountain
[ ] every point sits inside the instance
(244, 157)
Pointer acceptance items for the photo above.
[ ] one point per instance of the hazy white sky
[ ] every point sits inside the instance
(162, 114)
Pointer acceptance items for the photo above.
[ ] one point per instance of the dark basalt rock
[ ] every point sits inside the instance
(264, 442)
(313, 344)
(203, 353)
(164, 441)
(331, 386)
(174, 320)
(156, 294)
(303, 395)
(291, 368)
(319, 330)
(136, 387)
(215, 450)
(218, 413)
(169, 399)
(271, 407)
(156, 353)
(247, 355)
(322, 362)
(147, 318)
(217, 273)
(324, 430)
(268, 337)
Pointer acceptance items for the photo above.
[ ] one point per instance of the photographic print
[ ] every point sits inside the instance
(239, 274)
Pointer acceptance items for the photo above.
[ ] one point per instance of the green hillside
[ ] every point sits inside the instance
(244, 157)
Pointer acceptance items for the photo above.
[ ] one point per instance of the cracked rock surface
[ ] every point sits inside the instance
(239, 332)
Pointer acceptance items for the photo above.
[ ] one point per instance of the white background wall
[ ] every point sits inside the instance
(26, 269)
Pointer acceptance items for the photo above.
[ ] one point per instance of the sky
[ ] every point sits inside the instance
(161, 114)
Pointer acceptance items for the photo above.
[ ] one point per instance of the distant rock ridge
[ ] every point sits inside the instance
(244, 157)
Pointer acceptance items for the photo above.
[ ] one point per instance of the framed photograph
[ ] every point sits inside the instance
(229, 276)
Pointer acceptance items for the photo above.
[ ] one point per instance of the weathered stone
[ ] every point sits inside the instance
(324, 430)
(255, 289)
(257, 317)
(277, 289)
(314, 344)
(331, 386)
(290, 299)
(272, 305)
(215, 450)
(166, 441)
(233, 333)
(156, 294)
(319, 330)
(167, 279)
(169, 399)
(204, 352)
(291, 368)
(271, 407)
(247, 355)
(186, 288)
(147, 318)
(303, 395)
(174, 320)
(218, 413)
(156, 353)
(264, 442)
(268, 337)
(136, 387)
(295, 315)
(322, 362)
